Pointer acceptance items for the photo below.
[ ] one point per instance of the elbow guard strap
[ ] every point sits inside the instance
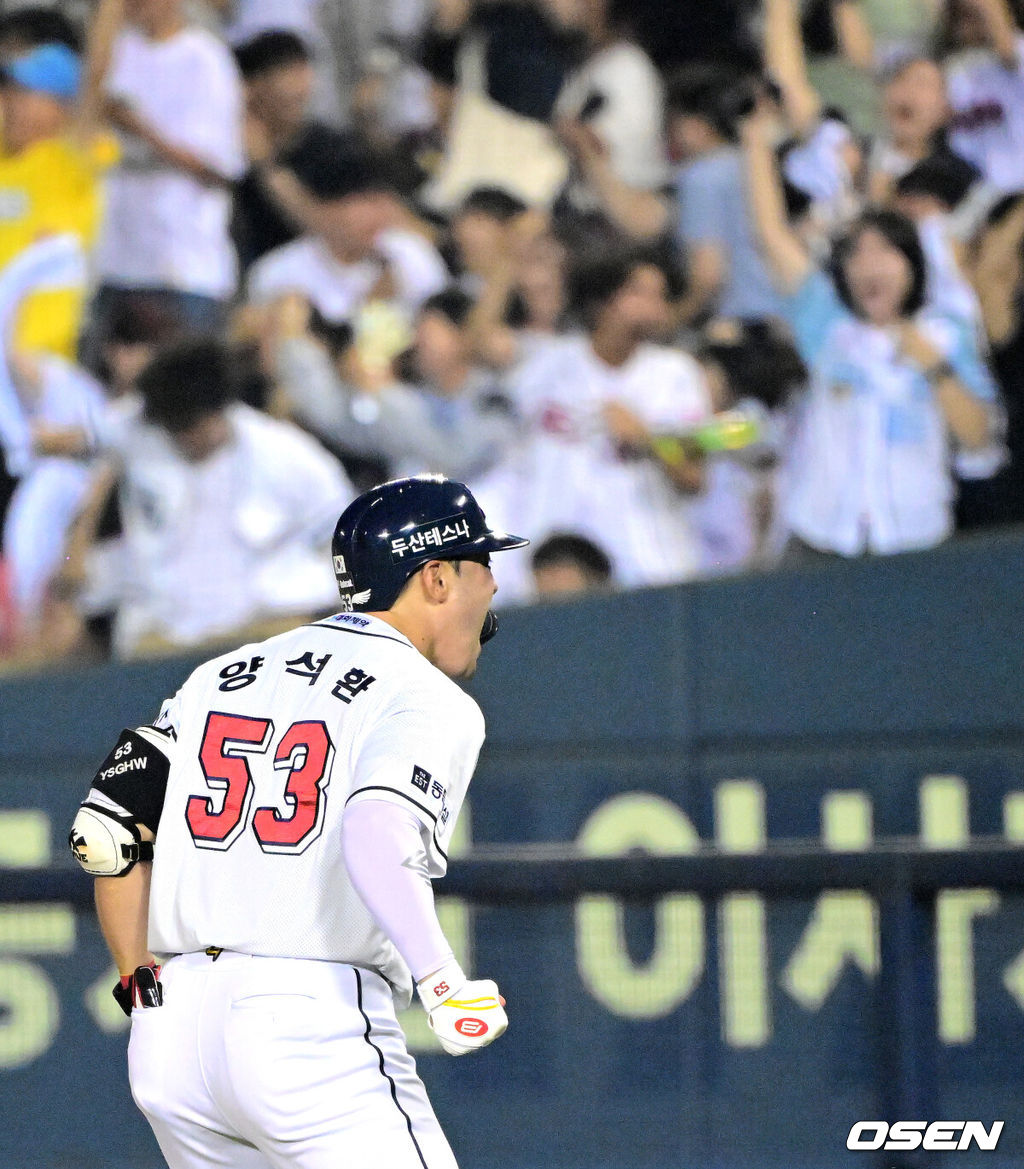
(105, 844)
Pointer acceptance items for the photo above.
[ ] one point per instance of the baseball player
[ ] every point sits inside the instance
(272, 837)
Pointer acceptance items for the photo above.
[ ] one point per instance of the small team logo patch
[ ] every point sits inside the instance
(350, 618)
(472, 1028)
(420, 778)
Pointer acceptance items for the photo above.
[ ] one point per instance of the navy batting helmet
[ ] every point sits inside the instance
(391, 531)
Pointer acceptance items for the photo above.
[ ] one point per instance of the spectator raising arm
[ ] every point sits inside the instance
(176, 90)
(494, 342)
(708, 270)
(854, 33)
(786, 63)
(782, 248)
(103, 30)
(641, 214)
(1002, 34)
(997, 274)
(121, 115)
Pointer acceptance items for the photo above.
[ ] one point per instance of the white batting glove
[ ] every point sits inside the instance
(465, 1015)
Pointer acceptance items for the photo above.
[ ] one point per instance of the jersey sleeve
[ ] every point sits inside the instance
(132, 780)
(812, 310)
(422, 758)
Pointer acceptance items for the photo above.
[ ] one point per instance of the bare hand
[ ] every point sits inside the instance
(257, 139)
(527, 229)
(984, 8)
(760, 124)
(915, 345)
(580, 140)
(369, 377)
(513, 245)
(568, 14)
(625, 427)
(290, 315)
(451, 15)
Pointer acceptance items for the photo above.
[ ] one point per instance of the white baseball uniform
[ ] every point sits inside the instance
(569, 475)
(339, 290)
(214, 545)
(987, 98)
(280, 1047)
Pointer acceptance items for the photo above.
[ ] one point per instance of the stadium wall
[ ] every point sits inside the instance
(835, 705)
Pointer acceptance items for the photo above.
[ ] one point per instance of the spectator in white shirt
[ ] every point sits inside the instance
(359, 252)
(753, 372)
(57, 397)
(592, 406)
(893, 390)
(618, 95)
(226, 512)
(930, 194)
(984, 62)
(917, 113)
(176, 98)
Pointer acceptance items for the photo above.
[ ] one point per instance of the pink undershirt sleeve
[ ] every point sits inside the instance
(383, 850)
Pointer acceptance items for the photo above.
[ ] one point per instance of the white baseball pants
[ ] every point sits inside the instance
(280, 1063)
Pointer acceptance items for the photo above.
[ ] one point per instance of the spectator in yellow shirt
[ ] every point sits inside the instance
(51, 159)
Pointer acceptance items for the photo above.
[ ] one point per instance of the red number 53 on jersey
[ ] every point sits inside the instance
(304, 752)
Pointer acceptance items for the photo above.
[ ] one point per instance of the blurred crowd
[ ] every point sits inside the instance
(680, 289)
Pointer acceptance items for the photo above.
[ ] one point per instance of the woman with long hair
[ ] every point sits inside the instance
(893, 389)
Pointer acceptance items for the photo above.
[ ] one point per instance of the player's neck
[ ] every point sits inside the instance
(49, 128)
(163, 26)
(427, 638)
(410, 629)
(613, 346)
(452, 380)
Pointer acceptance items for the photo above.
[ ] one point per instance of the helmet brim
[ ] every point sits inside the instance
(499, 542)
(483, 544)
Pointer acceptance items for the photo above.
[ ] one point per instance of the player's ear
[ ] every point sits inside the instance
(434, 578)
